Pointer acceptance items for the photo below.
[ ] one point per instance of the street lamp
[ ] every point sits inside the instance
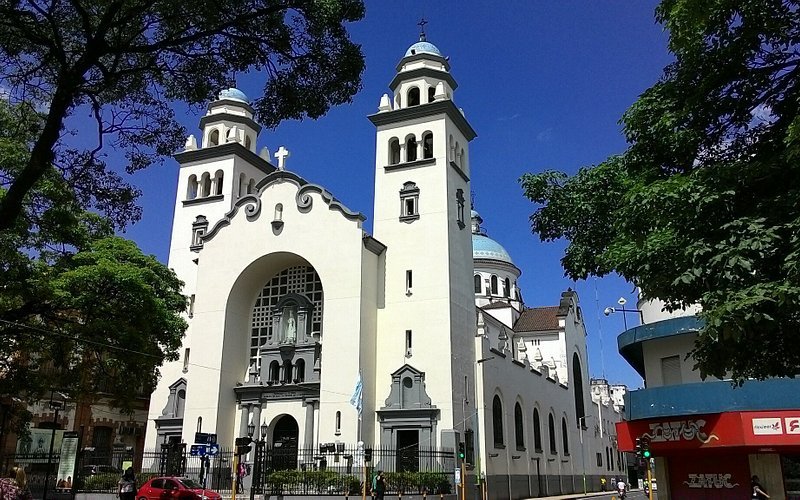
(610, 310)
(581, 423)
(57, 406)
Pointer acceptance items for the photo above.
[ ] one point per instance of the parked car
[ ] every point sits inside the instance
(160, 488)
(91, 470)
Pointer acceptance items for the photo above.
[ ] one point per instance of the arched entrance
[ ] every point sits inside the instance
(284, 443)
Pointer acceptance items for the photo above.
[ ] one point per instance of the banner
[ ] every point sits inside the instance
(66, 463)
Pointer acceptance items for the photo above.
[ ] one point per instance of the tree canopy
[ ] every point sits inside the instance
(702, 207)
(125, 61)
(81, 311)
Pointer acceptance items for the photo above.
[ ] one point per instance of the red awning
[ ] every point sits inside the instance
(762, 429)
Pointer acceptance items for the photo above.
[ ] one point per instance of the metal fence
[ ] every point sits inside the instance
(336, 469)
(333, 469)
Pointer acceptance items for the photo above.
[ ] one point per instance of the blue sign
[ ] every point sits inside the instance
(205, 438)
(199, 450)
(212, 450)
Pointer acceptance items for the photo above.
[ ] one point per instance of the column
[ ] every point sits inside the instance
(245, 419)
(257, 421)
(403, 157)
(308, 434)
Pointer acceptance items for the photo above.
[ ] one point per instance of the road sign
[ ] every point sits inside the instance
(198, 450)
(212, 450)
(205, 438)
(458, 476)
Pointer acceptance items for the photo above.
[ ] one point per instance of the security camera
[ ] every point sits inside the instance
(608, 310)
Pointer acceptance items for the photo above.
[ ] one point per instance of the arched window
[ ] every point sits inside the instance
(287, 371)
(394, 151)
(338, 429)
(461, 159)
(451, 150)
(274, 372)
(413, 96)
(411, 149)
(251, 186)
(564, 436)
(494, 285)
(218, 176)
(577, 384)
(507, 288)
(478, 283)
(191, 188)
(248, 142)
(537, 431)
(406, 392)
(427, 145)
(213, 137)
(431, 93)
(456, 150)
(497, 422)
(519, 432)
(551, 426)
(300, 371)
(205, 185)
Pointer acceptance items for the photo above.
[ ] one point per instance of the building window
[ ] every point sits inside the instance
(300, 371)
(191, 188)
(274, 372)
(599, 460)
(205, 185)
(519, 431)
(409, 280)
(494, 285)
(551, 426)
(287, 372)
(411, 149)
(497, 422)
(577, 385)
(537, 431)
(427, 145)
(408, 340)
(213, 137)
(409, 202)
(338, 429)
(413, 96)
(671, 370)
(302, 280)
(186, 360)
(394, 151)
(218, 178)
(478, 283)
(460, 208)
(431, 94)
(507, 288)
(191, 306)
(564, 436)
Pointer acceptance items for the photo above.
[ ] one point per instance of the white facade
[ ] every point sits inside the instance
(282, 325)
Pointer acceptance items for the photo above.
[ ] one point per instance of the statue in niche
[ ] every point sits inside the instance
(291, 326)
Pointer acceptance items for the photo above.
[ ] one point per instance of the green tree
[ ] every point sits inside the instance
(125, 61)
(702, 208)
(81, 311)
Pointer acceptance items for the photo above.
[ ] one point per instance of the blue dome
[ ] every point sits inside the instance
(484, 247)
(235, 94)
(423, 47)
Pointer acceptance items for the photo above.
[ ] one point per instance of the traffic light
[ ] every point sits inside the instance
(368, 454)
(462, 451)
(645, 442)
(243, 445)
(638, 448)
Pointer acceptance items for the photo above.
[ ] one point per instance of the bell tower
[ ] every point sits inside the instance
(422, 188)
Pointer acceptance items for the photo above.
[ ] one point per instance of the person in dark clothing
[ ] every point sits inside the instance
(758, 491)
(127, 485)
(380, 486)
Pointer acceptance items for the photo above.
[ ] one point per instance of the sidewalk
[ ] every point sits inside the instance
(574, 495)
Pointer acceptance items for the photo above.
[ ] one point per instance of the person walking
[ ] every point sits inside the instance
(127, 485)
(379, 486)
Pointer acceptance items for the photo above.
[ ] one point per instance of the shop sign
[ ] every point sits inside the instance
(767, 426)
(792, 425)
(710, 481)
(679, 430)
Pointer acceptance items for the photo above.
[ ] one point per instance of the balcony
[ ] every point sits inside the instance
(630, 341)
(712, 397)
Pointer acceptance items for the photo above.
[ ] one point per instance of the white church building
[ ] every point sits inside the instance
(281, 325)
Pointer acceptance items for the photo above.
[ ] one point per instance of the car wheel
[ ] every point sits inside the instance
(142, 498)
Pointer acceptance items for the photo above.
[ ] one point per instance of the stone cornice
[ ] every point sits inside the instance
(421, 72)
(424, 111)
(216, 152)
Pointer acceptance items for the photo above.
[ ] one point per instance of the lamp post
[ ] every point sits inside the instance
(57, 406)
(258, 458)
(610, 310)
(581, 423)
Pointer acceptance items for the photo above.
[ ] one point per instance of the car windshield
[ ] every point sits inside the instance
(190, 484)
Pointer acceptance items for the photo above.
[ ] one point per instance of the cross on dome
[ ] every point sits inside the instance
(422, 22)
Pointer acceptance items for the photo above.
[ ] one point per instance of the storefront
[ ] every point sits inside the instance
(713, 456)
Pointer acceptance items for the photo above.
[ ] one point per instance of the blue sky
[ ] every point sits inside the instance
(543, 83)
